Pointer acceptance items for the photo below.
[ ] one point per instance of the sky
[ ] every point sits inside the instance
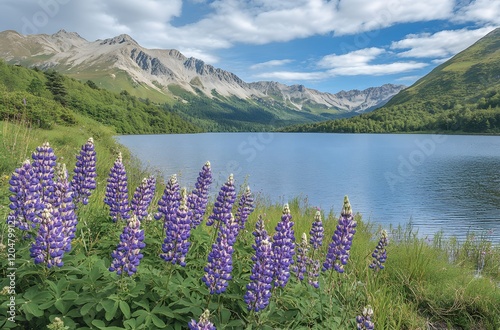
(326, 45)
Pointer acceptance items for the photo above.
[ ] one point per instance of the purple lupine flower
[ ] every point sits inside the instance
(178, 230)
(283, 248)
(317, 231)
(220, 259)
(224, 203)
(44, 162)
(300, 267)
(380, 253)
(339, 248)
(25, 204)
(48, 247)
(169, 202)
(84, 178)
(245, 207)
(63, 203)
(198, 199)
(364, 321)
(203, 324)
(127, 255)
(143, 196)
(117, 191)
(313, 272)
(259, 289)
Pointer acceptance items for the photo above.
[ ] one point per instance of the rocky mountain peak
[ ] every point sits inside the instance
(121, 39)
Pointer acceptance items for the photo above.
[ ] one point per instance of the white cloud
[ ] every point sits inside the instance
(354, 58)
(440, 44)
(483, 11)
(292, 76)
(270, 64)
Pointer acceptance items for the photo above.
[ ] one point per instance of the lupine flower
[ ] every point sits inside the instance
(364, 321)
(317, 231)
(380, 253)
(220, 259)
(63, 203)
(44, 162)
(339, 248)
(127, 255)
(245, 207)
(117, 191)
(302, 258)
(198, 199)
(259, 289)
(84, 179)
(313, 272)
(143, 196)
(224, 203)
(178, 231)
(283, 248)
(57, 324)
(49, 243)
(203, 324)
(25, 204)
(169, 202)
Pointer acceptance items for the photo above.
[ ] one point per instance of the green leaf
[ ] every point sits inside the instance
(225, 315)
(42, 297)
(99, 323)
(158, 322)
(61, 306)
(33, 309)
(86, 308)
(125, 308)
(110, 314)
(70, 295)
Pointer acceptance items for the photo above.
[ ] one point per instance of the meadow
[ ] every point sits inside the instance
(425, 283)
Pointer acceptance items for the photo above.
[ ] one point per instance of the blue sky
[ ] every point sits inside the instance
(326, 45)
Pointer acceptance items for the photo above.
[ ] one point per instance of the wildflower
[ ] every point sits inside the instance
(57, 324)
(203, 324)
(178, 231)
(63, 203)
(283, 248)
(364, 321)
(339, 248)
(25, 204)
(169, 202)
(313, 272)
(127, 255)
(380, 253)
(224, 203)
(44, 162)
(259, 289)
(245, 207)
(220, 259)
(302, 258)
(317, 231)
(117, 191)
(198, 198)
(84, 178)
(143, 196)
(49, 243)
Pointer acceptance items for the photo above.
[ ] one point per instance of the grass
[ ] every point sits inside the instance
(439, 284)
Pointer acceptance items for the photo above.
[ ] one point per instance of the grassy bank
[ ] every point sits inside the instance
(439, 284)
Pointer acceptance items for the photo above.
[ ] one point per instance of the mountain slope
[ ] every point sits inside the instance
(120, 63)
(460, 95)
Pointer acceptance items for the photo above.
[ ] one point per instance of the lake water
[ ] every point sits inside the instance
(438, 182)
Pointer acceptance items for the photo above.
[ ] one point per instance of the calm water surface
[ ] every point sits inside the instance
(438, 182)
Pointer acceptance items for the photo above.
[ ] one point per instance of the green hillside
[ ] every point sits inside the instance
(460, 95)
(48, 98)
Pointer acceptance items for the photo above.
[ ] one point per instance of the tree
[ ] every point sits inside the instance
(55, 84)
(35, 87)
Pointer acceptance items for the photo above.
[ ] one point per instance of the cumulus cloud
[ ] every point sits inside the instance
(440, 44)
(484, 11)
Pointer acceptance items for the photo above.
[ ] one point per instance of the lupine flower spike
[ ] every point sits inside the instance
(380, 253)
(169, 202)
(127, 255)
(48, 247)
(198, 199)
(302, 258)
(178, 231)
(63, 204)
(339, 248)
(143, 196)
(117, 191)
(224, 203)
(84, 179)
(364, 321)
(283, 248)
(203, 324)
(220, 259)
(245, 207)
(44, 162)
(25, 204)
(259, 289)
(317, 231)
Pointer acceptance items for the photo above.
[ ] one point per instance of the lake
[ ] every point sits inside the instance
(438, 182)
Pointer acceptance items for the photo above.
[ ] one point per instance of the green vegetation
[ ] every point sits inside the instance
(425, 284)
(460, 95)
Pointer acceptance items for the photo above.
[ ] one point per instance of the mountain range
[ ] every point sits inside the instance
(167, 76)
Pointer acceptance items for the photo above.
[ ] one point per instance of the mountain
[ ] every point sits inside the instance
(167, 76)
(460, 95)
